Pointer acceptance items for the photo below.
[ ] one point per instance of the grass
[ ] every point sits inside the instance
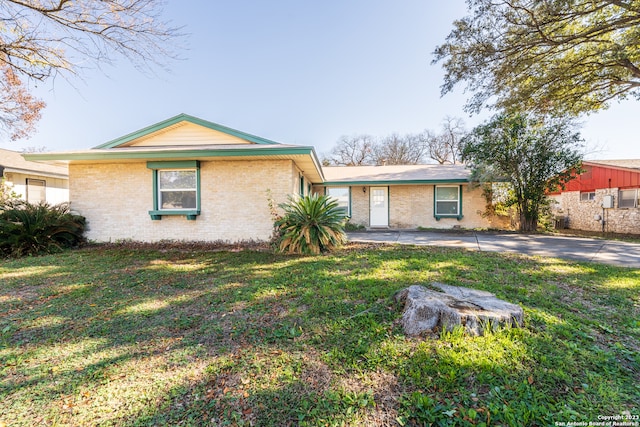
(140, 336)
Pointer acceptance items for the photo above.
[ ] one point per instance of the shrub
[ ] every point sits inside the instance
(310, 225)
(31, 229)
(6, 192)
(351, 226)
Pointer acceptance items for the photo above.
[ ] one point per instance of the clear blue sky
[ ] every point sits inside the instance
(297, 72)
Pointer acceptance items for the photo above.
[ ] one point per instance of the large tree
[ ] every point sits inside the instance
(532, 154)
(19, 110)
(40, 39)
(396, 149)
(354, 150)
(549, 56)
(445, 147)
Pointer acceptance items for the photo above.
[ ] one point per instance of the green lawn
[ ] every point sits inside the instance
(182, 336)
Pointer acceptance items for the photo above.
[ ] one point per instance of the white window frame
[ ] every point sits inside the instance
(458, 201)
(628, 202)
(193, 190)
(41, 184)
(587, 196)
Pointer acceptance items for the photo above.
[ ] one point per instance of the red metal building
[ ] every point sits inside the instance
(601, 174)
(605, 197)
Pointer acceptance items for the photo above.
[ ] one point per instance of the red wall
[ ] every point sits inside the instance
(600, 176)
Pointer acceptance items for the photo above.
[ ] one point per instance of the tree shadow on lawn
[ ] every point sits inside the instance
(173, 336)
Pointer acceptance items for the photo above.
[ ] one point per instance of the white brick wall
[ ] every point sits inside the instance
(411, 206)
(116, 199)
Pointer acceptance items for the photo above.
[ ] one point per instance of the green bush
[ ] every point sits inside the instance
(350, 226)
(310, 225)
(31, 229)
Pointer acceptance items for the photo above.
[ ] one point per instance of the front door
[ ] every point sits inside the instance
(379, 206)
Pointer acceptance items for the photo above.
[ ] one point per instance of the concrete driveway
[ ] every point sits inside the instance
(611, 252)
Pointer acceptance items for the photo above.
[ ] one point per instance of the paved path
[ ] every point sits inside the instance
(575, 248)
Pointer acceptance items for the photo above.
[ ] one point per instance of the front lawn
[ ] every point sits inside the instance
(180, 336)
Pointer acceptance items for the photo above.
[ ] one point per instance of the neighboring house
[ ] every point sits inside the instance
(32, 181)
(605, 197)
(190, 179)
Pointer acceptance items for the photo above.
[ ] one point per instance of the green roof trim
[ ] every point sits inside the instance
(170, 154)
(394, 182)
(184, 118)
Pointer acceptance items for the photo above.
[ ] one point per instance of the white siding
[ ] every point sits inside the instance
(57, 189)
(187, 134)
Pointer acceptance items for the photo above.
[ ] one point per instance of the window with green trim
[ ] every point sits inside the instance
(176, 188)
(342, 196)
(447, 201)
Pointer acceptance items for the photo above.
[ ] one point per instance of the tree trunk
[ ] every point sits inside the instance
(528, 222)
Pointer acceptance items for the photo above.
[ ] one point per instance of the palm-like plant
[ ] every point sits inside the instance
(310, 225)
(29, 229)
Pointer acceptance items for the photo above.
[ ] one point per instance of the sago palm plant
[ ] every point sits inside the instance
(29, 229)
(311, 225)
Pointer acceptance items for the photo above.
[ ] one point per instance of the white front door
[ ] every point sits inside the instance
(379, 206)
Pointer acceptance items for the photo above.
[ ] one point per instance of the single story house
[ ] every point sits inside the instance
(33, 181)
(190, 179)
(408, 196)
(604, 197)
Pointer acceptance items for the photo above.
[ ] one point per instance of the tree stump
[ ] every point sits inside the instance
(426, 310)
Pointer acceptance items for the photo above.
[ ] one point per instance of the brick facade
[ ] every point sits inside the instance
(234, 201)
(411, 206)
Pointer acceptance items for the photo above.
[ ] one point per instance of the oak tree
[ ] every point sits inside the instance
(446, 147)
(395, 149)
(354, 150)
(532, 154)
(550, 56)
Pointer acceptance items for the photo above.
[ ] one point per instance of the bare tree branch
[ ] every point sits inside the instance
(40, 39)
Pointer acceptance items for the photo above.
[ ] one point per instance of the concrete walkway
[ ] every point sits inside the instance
(611, 252)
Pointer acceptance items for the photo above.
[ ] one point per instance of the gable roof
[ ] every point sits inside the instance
(396, 174)
(152, 143)
(13, 161)
(177, 120)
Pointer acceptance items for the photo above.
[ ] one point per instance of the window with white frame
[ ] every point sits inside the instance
(587, 196)
(628, 198)
(177, 189)
(447, 201)
(341, 195)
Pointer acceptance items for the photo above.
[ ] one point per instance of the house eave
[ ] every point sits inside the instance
(302, 155)
(395, 182)
(610, 166)
(35, 172)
